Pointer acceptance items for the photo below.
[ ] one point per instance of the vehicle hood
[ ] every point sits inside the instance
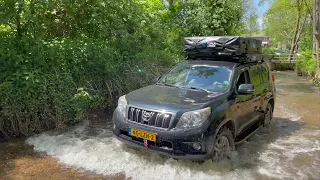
(171, 99)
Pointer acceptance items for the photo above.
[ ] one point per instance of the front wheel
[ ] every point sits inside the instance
(268, 115)
(223, 145)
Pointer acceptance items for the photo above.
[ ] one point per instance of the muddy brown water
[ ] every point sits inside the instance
(288, 150)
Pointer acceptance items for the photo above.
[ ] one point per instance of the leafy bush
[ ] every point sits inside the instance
(306, 65)
(269, 50)
(60, 58)
(48, 84)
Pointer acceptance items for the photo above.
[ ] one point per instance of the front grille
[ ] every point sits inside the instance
(150, 118)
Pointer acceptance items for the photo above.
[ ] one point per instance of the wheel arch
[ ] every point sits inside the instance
(229, 123)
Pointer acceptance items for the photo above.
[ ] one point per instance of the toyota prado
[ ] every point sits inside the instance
(205, 105)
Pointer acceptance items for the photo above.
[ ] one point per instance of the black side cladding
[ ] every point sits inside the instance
(233, 45)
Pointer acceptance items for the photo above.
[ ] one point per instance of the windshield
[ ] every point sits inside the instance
(211, 78)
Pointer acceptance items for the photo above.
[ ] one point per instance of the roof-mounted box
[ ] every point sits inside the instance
(223, 48)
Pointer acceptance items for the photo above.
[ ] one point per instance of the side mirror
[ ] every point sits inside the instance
(246, 89)
(156, 79)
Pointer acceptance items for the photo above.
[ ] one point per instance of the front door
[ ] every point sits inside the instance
(243, 108)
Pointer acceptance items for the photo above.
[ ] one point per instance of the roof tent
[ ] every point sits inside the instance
(224, 48)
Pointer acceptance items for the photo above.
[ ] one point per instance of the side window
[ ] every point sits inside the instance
(264, 74)
(255, 75)
(243, 79)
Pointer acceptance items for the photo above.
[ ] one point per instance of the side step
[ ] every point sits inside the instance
(248, 133)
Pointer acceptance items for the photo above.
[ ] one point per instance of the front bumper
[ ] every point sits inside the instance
(177, 144)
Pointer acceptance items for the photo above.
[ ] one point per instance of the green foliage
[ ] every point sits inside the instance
(306, 65)
(39, 80)
(60, 58)
(253, 26)
(207, 18)
(251, 19)
(307, 38)
(269, 50)
(280, 20)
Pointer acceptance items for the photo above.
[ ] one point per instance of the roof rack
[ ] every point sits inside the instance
(242, 58)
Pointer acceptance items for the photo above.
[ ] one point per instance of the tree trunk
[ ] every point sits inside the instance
(296, 31)
(170, 2)
(316, 27)
(300, 31)
(316, 38)
(314, 47)
(315, 31)
(18, 19)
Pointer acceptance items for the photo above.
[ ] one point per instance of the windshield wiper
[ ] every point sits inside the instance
(165, 84)
(197, 88)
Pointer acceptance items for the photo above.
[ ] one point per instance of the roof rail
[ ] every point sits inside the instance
(242, 58)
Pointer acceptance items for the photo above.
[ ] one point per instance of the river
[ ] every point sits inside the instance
(288, 150)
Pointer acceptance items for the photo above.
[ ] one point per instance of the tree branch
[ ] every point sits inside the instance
(287, 35)
(18, 18)
(308, 8)
(301, 29)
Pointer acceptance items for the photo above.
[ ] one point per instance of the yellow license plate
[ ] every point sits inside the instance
(142, 134)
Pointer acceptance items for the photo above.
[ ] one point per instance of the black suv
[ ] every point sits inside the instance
(199, 110)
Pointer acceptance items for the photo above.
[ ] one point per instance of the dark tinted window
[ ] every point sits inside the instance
(264, 73)
(243, 79)
(255, 75)
(213, 78)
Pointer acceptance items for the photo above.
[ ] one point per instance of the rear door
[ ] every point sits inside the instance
(256, 80)
(266, 86)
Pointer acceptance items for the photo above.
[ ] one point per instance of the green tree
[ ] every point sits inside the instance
(253, 26)
(285, 22)
(60, 58)
(250, 19)
(316, 35)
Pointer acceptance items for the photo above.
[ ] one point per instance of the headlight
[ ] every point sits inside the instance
(194, 118)
(122, 105)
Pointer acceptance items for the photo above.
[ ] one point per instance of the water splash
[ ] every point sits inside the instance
(270, 154)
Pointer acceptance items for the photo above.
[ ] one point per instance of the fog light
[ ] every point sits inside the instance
(196, 146)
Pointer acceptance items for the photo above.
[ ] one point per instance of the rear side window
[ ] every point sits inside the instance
(264, 74)
(255, 75)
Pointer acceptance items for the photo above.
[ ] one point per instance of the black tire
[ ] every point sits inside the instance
(225, 152)
(268, 116)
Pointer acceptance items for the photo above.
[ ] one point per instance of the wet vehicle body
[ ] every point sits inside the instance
(198, 110)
